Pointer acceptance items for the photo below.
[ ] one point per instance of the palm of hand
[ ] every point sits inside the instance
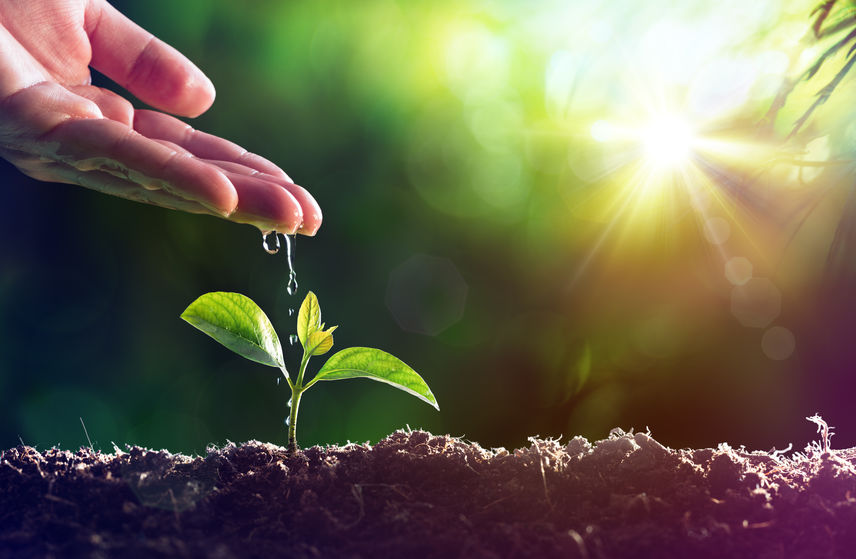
(55, 126)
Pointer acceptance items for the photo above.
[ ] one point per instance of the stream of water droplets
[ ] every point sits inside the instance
(271, 244)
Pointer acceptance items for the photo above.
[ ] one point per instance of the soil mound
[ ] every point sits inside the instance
(418, 495)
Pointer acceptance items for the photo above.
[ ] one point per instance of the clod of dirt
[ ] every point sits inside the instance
(417, 495)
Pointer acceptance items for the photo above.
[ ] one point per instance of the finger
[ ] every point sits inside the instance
(261, 203)
(107, 183)
(235, 172)
(147, 67)
(275, 209)
(265, 205)
(312, 215)
(206, 146)
(113, 106)
(311, 210)
(92, 143)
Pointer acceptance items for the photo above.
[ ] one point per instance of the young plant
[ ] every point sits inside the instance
(238, 323)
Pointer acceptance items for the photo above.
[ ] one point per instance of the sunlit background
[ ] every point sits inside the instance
(567, 216)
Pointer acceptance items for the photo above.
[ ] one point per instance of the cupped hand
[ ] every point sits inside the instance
(55, 126)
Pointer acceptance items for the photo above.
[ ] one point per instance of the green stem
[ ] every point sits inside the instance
(292, 420)
(297, 390)
(287, 378)
(303, 363)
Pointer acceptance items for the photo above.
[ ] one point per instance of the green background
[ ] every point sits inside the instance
(456, 236)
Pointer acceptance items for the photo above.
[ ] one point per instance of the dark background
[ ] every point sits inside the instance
(456, 236)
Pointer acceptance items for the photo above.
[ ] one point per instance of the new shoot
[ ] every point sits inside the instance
(238, 323)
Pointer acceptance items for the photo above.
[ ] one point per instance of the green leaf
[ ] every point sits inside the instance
(238, 323)
(308, 318)
(374, 364)
(320, 341)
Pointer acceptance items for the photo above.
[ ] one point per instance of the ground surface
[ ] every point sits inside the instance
(415, 495)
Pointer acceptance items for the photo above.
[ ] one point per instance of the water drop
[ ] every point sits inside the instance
(292, 339)
(277, 380)
(287, 421)
(290, 249)
(289, 402)
(290, 312)
(270, 241)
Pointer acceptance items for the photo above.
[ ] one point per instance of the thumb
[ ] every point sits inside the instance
(153, 71)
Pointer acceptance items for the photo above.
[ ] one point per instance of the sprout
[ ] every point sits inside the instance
(238, 323)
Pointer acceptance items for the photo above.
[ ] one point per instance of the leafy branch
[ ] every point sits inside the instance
(845, 20)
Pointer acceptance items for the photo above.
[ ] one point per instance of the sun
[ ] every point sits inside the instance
(658, 171)
(667, 141)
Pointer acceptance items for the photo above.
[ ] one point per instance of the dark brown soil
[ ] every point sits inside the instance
(416, 495)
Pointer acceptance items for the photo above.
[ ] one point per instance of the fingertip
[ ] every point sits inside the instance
(155, 72)
(187, 92)
(200, 94)
(310, 227)
(266, 205)
(312, 215)
(221, 197)
(191, 179)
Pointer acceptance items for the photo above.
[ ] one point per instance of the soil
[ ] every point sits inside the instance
(417, 495)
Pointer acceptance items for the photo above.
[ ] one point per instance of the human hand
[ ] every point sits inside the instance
(56, 127)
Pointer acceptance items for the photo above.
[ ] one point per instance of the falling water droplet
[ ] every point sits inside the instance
(292, 339)
(290, 312)
(290, 249)
(277, 380)
(270, 241)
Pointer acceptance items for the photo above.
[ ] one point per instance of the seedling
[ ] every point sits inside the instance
(238, 323)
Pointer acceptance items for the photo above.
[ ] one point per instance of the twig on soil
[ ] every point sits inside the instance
(544, 477)
(8, 465)
(85, 432)
(824, 430)
(776, 454)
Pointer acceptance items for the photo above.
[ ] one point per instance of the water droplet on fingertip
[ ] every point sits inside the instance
(270, 241)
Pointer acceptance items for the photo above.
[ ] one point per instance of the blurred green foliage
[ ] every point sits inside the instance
(444, 136)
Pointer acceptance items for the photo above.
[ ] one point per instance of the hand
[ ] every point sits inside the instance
(55, 126)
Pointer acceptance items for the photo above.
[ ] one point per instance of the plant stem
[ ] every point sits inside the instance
(287, 378)
(303, 362)
(297, 390)
(296, 393)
